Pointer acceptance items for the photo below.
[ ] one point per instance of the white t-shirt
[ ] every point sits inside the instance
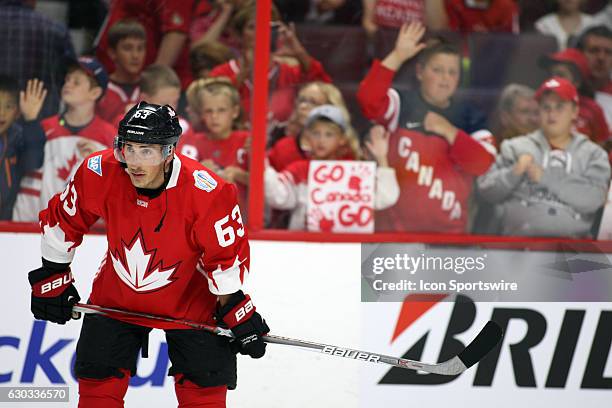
(550, 25)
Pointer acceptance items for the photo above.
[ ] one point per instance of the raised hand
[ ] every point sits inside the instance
(407, 45)
(31, 100)
(378, 145)
(290, 45)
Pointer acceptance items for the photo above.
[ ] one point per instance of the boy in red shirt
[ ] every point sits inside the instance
(126, 48)
(221, 147)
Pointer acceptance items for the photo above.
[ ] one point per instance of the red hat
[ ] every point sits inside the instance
(561, 86)
(568, 56)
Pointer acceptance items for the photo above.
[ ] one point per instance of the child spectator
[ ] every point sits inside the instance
(437, 146)
(216, 103)
(517, 112)
(468, 16)
(596, 44)
(166, 23)
(283, 76)
(572, 65)
(126, 48)
(21, 147)
(327, 131)
(566, 23)
(160, 85)
(550, 182)
(221, 147)
(204, 56)
(70, 137)
(288, 144)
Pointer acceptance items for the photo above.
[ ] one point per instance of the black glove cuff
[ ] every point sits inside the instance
(234, 299)
(54, 266)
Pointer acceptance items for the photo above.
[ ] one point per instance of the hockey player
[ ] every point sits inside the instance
(176, 247)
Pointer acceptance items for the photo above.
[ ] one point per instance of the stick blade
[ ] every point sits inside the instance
(487, 339)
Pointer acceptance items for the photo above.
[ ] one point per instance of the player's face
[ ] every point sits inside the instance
(129, 55)
(598, 51)
(218, 113)
(325, 140)
(524, 116)
(439, 78)
(8, 111)
(145, 164)
(78, 89)
(167, 95)
(309, 98)
(557, 115)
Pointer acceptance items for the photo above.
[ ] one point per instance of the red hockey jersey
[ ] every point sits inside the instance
(201, 250)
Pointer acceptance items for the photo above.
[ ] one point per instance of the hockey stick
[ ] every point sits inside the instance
(484, 342)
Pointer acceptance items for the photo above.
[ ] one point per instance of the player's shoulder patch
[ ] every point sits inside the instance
(204, 181)
(95, 164)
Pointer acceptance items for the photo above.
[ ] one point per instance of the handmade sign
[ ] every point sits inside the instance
(341, 196)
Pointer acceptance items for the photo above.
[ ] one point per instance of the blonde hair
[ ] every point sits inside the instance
(334, 97)
(214, 86)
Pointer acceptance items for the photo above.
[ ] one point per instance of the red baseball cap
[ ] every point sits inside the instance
(568, 56)
(561, 86)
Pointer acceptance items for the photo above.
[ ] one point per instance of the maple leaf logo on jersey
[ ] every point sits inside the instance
(64, 172)
(138, 269)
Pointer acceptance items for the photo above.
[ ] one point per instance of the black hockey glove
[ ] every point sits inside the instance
(247, 325)
(53, 294)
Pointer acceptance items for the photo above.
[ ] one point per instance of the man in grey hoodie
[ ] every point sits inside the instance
(550, 182)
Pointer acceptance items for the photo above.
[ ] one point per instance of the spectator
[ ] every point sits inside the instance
(288, 145)
(166, 23)
(566, 23)
(517, 112)
(33, 46)
(21, 146)
(483, 16)
(126, 48)
(596, 44)
(216, 103)
(572, 65)
(393, 14)
(160, 85)
(206, 55)
(70, 137)
(550, 182)
(222, 146)
(431, 148)
(283, 76)
(326, 129)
